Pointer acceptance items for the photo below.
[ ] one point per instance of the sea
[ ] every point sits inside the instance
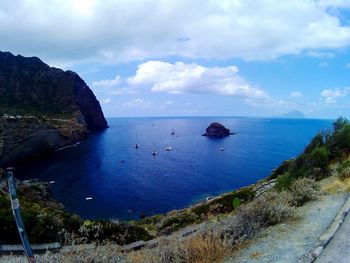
(105, 177)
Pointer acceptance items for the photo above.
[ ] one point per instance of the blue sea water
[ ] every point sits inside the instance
(125, 182)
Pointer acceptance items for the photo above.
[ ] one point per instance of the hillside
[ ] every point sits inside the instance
(42, 108)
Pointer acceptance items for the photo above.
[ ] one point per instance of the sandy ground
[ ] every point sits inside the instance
(290, 242)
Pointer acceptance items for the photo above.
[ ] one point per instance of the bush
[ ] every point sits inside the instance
(284, 181)
(304, 190)
(319, 157)
(344, 170)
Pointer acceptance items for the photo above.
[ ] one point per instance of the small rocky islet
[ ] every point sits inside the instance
(217, 130)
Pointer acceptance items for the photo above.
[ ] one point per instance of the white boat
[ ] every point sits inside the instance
(136, 145)
(154, 153)
(169, 148)
(222, 149)
(88, 198)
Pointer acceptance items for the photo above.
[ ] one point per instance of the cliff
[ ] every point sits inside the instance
(42, 108)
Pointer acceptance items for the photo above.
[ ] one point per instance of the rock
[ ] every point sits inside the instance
(42, 108)
(216, 129)
(30, 87)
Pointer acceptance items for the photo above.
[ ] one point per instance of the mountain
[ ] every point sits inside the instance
(42, 108)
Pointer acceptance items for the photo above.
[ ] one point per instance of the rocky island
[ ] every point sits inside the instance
(217, 130)
(42, 108)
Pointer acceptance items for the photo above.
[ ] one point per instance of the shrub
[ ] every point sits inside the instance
(304, 190)
(319, 157)
(176, 222)
(317, 141)
(284, 181)
(282, 169)
(236, 202)
(344, 170)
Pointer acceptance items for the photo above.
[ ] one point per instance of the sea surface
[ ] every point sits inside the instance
(125, 182)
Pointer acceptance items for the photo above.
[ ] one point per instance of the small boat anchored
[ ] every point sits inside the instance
(136, 145)
(172, 132)
(168, 148)
(154, 153)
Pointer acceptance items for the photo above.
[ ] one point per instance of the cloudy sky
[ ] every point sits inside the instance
(193, 58)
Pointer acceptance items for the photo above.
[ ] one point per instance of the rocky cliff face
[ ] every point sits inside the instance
(29, 86)
(42, 108)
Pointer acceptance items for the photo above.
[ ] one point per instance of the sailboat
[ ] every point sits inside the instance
(154, 153)
(136, 146)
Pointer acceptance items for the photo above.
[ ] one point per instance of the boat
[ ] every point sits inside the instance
(169, 148)
(172, 132)
(154, 153)
(88, 198)
(222, 149)
(136, 145)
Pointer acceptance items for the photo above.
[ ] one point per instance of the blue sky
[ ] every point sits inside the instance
(193, 58)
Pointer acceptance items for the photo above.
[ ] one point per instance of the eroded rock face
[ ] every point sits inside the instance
(27, 136)
(30, 87)
(42, 108)
(217, 130)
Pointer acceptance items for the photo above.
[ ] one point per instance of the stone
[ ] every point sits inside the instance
(42, 108)
(217, 130)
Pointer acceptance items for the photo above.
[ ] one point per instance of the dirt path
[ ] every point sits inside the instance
(290, 242)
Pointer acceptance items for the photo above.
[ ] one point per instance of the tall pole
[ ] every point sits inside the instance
(18, 218)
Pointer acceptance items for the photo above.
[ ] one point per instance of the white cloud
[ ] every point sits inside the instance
(138, 103)
(181, 78)
(106, 101)
(320, 54)
(295, 94)
(323, 64)
(126, 30)
(108, 82)
(330, 95)
(168, 102)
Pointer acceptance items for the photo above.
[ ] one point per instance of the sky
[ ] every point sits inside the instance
(258, 58)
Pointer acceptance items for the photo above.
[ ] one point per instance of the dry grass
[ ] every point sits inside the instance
(335, 185)
(203, 248)
(106, 253)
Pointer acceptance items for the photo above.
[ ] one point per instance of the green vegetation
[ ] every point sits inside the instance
(175, 220)
(46, 221)
(325, 148)
(236, 202)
